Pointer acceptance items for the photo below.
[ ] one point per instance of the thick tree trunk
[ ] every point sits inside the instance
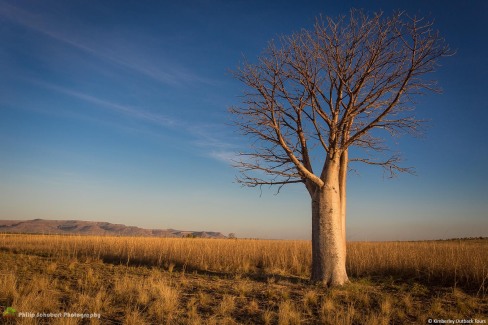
(328, 251)
(342, 186)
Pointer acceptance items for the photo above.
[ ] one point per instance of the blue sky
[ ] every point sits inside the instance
(117, 111)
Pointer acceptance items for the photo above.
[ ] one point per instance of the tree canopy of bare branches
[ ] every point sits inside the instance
(314, 94)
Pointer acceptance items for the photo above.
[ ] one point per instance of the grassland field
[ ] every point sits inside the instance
(135, 280)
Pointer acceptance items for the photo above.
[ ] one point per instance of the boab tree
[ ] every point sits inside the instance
(320, 92)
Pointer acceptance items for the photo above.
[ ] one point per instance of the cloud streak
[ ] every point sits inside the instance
(205, 137)
(228, 157)
(137, 62)
(141, 114)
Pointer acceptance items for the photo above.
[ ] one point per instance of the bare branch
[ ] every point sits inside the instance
(318, 92)
(390, 165)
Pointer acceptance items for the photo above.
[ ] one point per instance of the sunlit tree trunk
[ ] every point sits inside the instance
(342, 188)
(328, 251)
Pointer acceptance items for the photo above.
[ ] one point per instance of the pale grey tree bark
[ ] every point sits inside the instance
(344, 162)
(321, 92)
(328, 242)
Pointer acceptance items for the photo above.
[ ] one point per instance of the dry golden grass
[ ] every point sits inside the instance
(461, 262)
(210, 281)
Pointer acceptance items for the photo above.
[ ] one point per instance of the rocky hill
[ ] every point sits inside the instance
(77, 227)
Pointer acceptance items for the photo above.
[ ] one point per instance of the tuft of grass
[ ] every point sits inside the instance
(288, 314)
(134, 317)
(310, 300)
(268, 317)
(227, 305)
(386, 306)
(252, 307)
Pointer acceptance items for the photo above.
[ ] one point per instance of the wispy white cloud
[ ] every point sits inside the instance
(133, 112)
(208, 139)
(214, 142)
(131, 57)
(228, 157)
(210, 135)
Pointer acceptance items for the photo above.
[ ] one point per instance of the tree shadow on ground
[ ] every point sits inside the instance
(422, 285)
(259, 276)
(393, 280)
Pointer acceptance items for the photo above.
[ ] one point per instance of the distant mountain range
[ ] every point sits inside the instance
(77, 227)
